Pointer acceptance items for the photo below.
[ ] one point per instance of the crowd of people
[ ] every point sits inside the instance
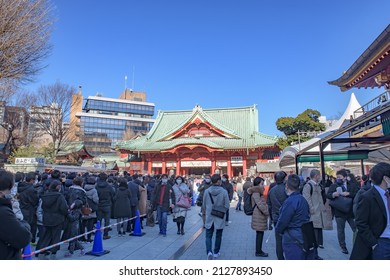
(52, 207)
(45, 208)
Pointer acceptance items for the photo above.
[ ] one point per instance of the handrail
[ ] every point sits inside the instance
(376, 102)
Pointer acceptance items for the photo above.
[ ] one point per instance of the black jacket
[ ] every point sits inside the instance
(229, 188)
(276, 197)
(106, 194)
(371, 221)
(54, 208)
(28, 200)
(135, 196)
(352, 189)
(122, 203)
(168, 194)
(14, 234)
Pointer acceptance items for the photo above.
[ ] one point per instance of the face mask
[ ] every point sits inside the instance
(207, 180)
(287, 192)
(178, 182)
(339, 181)
(223, 180)
(164, 181)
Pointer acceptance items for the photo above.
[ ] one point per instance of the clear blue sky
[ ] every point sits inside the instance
(217, 53)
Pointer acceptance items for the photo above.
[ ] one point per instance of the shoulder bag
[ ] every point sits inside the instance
(217, 211)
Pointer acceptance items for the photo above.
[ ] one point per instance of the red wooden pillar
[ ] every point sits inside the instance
(213, 165)
(178, 167)
(244, 173)
(149, 167)
(163, 166)
(229, 167)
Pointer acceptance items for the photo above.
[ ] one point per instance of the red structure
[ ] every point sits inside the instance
(203, 141)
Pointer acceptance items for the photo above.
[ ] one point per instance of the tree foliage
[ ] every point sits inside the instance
(30, 151)
(25, 30)
(307, 121)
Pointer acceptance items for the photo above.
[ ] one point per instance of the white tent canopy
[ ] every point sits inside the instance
(287, 157)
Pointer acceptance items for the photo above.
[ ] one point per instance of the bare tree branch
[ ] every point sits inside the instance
(25, 30)
(55, 102)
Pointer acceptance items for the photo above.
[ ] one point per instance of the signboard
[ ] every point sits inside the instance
(221, 163)
(200, 163)
(170, 164)
(156, 164)
(236, 159)
(38, 161)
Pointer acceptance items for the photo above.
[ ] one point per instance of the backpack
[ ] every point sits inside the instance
(92, 204)
(303, 185)
(248, 209)
(323, 194)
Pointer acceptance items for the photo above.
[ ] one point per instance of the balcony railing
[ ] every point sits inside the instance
(377, 102)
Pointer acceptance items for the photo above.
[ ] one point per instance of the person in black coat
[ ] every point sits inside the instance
(276, 197)
(55, 210)
(122, 206)
(14, 234)
(162, 200)
(343, 188)
(229, 188)
(106, 197)
(372, 220)
(133, 186)
(28, 200)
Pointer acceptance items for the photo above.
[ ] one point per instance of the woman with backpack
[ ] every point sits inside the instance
(260, 213)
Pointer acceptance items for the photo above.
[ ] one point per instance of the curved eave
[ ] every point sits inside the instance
(366, 62)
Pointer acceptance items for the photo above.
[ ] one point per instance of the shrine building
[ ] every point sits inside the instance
(203, 141)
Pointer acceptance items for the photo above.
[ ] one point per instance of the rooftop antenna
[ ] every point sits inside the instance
(125, 83)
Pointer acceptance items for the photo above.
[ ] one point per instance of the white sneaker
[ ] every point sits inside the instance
(217, 255)
(210, 256)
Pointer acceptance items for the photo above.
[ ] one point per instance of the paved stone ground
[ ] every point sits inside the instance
(238, 242)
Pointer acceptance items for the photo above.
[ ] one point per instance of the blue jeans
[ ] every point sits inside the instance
(218, 240)
(293, 251)
(238, 206)
(162, 219)
(382, 250)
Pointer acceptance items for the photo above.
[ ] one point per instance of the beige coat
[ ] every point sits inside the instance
(316, 204)
(142, 200)
(260, 212)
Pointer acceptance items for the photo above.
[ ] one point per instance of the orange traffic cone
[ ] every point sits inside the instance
(97, 248)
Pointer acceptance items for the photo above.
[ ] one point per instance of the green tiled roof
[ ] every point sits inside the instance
(240, 125)
(70, 147)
